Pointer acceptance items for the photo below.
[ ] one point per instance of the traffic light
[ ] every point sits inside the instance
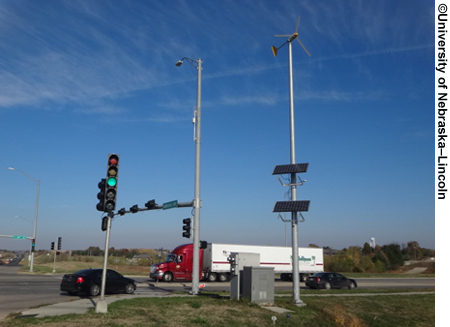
(104, 223)
(52, 246)
(101, 195)
(134, 209)
(112, 173)
(151, 204)
(59, 243)
(33, 244)
(187, 227)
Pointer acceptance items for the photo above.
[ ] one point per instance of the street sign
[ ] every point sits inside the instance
(19, 237)
(170, 205)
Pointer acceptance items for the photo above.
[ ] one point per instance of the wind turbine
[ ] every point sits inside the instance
(292, 37)
(293, 184)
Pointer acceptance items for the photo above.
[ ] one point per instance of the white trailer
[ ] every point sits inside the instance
(217, 267)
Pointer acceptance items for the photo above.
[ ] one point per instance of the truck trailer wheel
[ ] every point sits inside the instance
(286, 277)
(223, 277)
(168, 277)
(212, 277)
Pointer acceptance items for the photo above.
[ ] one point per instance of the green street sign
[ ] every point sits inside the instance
(19, 237)
(170, 205)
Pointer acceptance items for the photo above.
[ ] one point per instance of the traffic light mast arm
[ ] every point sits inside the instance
(135, 208)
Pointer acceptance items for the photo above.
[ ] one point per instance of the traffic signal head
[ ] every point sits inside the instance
(101, 195)
(187, 227)
(104, 223)
(59, 243)
(52, 246)
(112, 173)
(134, 209)
(150, 204)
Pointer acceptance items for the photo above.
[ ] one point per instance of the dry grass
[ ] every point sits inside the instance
(343, 318)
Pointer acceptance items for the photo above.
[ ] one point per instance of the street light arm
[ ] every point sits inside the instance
(28, 176)
(194, 63)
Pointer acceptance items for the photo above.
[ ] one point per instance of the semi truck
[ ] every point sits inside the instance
(214, 264)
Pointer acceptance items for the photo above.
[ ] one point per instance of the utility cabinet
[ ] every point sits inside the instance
(258, 284)
(237, 263)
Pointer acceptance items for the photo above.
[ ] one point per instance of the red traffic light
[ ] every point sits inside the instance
(113, 160)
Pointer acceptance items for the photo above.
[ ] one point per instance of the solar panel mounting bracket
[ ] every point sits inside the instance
(300, 183)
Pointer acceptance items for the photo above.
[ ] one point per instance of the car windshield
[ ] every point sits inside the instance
(170, 257)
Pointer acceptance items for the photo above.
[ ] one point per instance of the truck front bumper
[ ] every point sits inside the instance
(157, 275)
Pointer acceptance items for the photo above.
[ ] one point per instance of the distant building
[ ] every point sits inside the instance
(372, 242)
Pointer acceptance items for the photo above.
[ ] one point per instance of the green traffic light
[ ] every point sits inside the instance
(112, 181)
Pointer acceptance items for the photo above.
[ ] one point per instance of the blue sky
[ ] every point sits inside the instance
(81, 79)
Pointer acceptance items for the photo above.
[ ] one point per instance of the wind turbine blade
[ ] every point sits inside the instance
(298, 22)
(304, 48)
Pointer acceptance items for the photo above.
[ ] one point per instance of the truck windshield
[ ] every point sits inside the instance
(170, 257)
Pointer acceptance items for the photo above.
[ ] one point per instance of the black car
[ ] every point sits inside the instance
(89, 281)
(329, 280)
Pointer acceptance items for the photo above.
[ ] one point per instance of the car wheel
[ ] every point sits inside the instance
(129, 289)
(168, 277)
(351, 286)
(94, 290)
(327, 286)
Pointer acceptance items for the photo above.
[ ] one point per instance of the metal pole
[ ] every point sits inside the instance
(197, 200)
(295, 270)
(54, 257)
(102, 306)
(36, 209)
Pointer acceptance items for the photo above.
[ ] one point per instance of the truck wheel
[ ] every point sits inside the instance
(286, 277)
(223, 277)
(212, 277)
(168, 277)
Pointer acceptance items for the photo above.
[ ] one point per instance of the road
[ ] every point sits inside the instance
(22, 291)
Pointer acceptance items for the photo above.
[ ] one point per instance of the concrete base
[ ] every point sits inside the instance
(101, 307)
(300, 303)
(277, 309)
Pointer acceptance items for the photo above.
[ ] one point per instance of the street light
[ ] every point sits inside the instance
(36, 209)
(197, 64)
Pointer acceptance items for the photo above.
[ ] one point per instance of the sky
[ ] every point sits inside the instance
(82, 79)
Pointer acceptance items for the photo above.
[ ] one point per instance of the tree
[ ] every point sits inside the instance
(413, 251)
(367, 249)
(394, 256)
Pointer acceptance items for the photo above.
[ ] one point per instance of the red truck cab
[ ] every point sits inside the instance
(177, 266)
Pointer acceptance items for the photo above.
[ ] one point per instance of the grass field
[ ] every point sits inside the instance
(214, 310)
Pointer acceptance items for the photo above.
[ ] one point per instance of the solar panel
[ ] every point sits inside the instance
(291, 206)
(289, 169)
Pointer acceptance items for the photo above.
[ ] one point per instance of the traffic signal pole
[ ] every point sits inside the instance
(102, 306)
(54, 258)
